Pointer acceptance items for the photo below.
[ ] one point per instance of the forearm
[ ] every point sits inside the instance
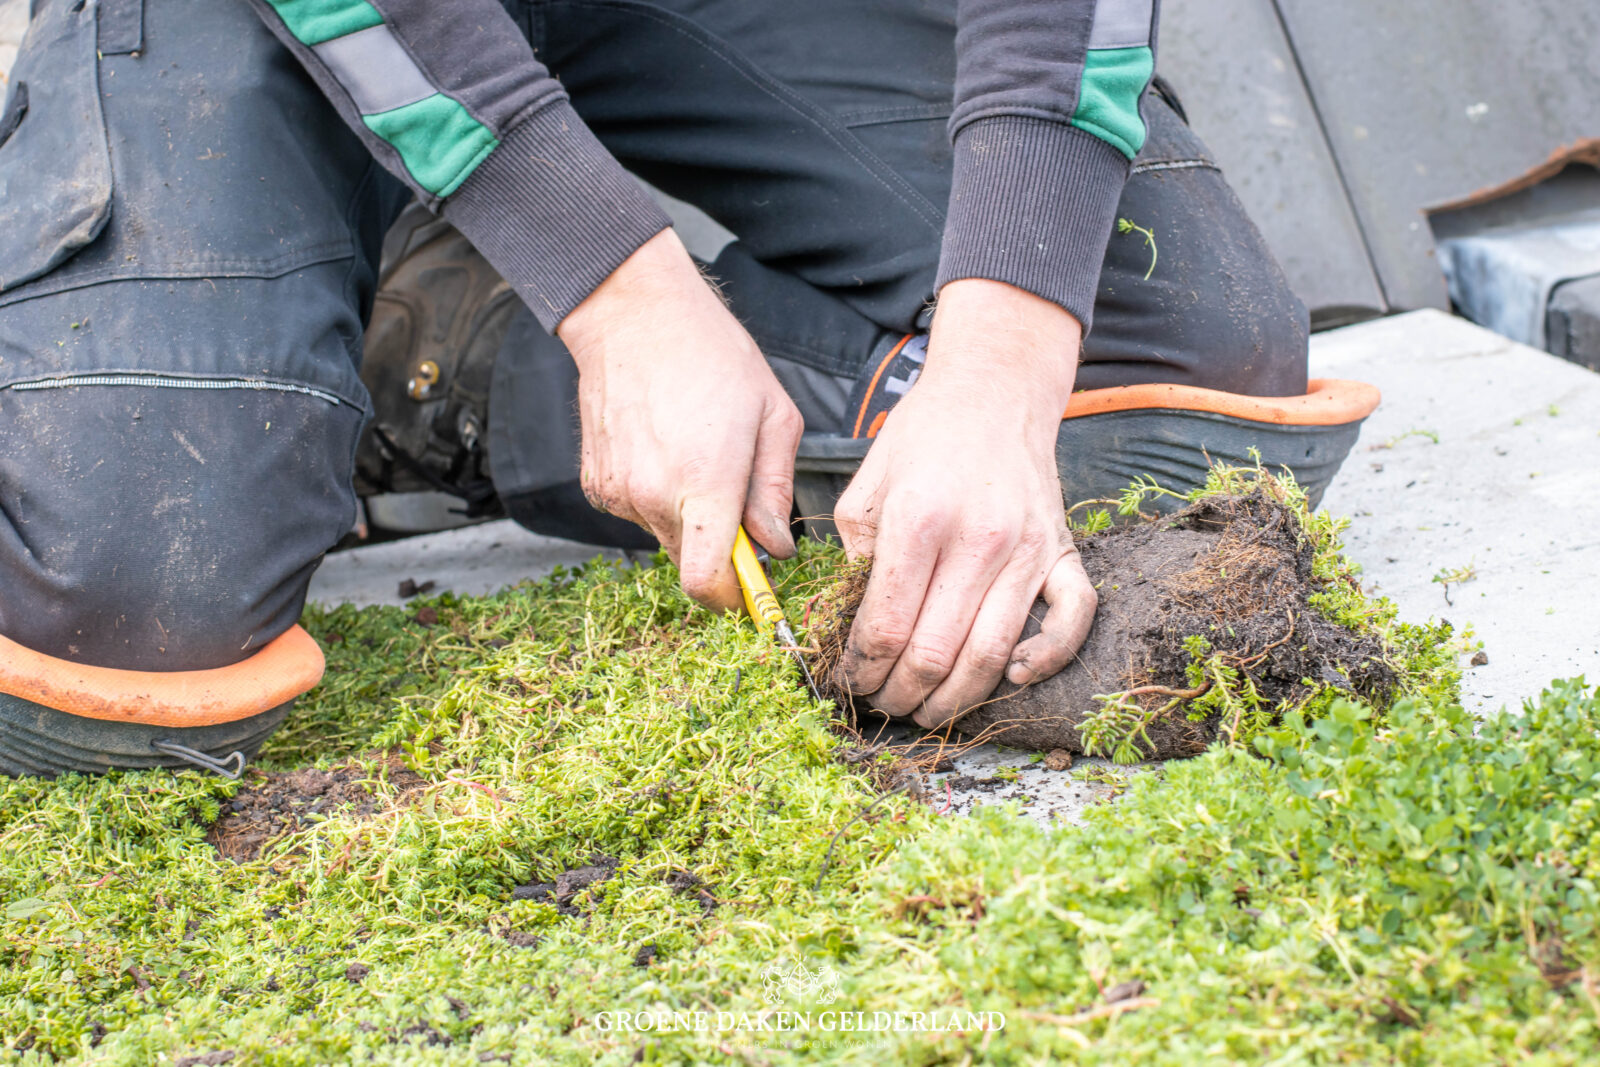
(450, 99)
(1004, 346)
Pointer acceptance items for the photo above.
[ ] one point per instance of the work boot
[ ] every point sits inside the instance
(438, 320)
(1110, 437)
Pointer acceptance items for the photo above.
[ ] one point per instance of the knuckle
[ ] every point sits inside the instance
(1077, 586)
(883, 639)
(775, 482)
(926, 525)
(642, 494)
(637, 484)
(696, 468)
(850, 534)
(929, 663)
(988, 539)
(788, 420)
(989, 655)
(848, 506)
(713, 473)
(1034, 541)
(849, 512)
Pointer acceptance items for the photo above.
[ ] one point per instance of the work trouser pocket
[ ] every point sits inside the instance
(178, 198)
(55, 165)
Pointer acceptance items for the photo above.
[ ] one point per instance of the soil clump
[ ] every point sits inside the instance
(281, 802)
(568, 884)
(1235, 570)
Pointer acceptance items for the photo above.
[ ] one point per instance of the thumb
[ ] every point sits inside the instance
(705, 552)
(1072, 602)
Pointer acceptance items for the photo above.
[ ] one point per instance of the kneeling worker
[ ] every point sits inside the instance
(924, 194)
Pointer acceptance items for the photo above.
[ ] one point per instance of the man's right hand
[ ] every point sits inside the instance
(685, 429)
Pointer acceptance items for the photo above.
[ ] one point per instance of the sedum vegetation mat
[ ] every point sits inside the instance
(503, 821)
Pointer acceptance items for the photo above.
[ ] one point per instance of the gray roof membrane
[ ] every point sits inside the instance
(1343, 125)
(1231, 64)
(1428, 101)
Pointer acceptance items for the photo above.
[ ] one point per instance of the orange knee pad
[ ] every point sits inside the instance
(57, 716)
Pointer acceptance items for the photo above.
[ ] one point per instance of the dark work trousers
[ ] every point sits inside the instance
(188, 247)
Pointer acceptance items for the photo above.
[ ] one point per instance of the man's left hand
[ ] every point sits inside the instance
(959, 505)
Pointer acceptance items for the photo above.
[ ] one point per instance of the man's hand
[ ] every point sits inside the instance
(685, 429)
(959, 504)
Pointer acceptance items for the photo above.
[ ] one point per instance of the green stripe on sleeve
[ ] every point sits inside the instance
(440, 143)
(315, 21)
(1108, 99)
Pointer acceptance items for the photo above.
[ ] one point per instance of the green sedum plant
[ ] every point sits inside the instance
(1356, 885)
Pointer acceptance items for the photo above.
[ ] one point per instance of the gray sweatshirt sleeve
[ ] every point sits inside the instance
(1045, 125)
(449, 97)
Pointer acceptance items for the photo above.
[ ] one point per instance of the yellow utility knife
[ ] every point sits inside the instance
(749, 563)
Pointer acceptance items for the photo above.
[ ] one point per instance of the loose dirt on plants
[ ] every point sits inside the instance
(276, 803)
(688, 884)
(568, 884)
(1233, 570)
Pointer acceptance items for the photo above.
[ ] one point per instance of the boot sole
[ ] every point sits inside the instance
(43, 742)
(1099, 453)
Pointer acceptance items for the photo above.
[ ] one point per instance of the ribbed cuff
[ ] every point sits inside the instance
(553, 212)
(1032, 203)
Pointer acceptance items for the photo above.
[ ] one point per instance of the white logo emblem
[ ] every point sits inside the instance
(791, 978)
